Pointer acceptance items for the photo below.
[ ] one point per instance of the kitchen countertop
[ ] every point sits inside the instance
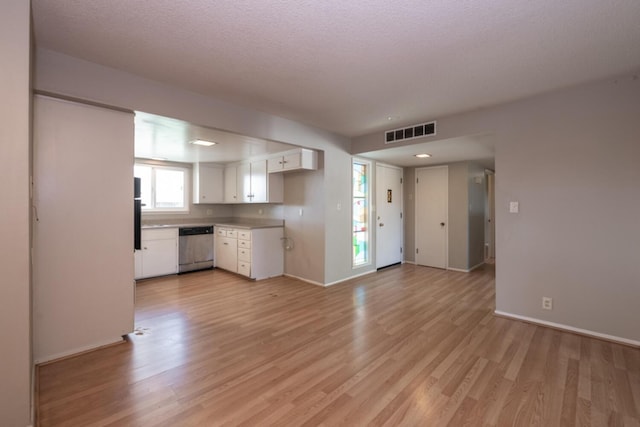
(248, 223)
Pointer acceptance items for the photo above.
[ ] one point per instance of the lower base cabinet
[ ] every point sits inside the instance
(159, 253)
(226, 254)
(255, 253)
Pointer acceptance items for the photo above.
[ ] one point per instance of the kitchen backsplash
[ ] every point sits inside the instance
(257, 211)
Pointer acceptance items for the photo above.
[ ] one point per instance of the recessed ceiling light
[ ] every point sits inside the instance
(423, 155)
(203, 142)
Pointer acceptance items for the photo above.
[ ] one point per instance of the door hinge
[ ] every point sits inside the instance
(400, 180)
(417, 180)
(417, 250)
(400, 249)
(400, 215)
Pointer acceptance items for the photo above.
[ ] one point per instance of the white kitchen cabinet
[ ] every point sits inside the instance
(243, 182)
(159, 253)
(255, 185)
(256, 253)
(226, 255)
(298, 159)
(231, 184)
(208, 184)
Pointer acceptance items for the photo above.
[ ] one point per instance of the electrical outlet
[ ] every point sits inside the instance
(547, 303)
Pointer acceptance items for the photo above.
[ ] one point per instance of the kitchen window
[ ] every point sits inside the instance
(163, 188)
(360, 211)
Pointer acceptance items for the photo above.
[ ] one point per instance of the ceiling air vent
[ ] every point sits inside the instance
(411, 132)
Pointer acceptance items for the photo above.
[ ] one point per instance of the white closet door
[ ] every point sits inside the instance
(432, 207)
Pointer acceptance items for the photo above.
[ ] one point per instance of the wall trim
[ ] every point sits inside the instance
(349, 278)
(302, 279)
(409, 262)
(469, 270)
(325, 285)
(567, 328)
(63, 97)
(77, 351)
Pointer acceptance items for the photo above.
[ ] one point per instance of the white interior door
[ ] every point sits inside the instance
(432, 207)
(389, 230)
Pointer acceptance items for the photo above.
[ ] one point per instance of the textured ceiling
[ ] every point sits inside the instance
(348, 65)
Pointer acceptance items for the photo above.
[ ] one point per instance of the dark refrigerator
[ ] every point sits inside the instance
(137, 214)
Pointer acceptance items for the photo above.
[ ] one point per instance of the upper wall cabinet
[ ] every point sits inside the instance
(254, 184)
(298, 159)
(231, 184)
(208, 183)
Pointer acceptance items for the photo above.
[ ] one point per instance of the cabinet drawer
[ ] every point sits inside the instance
(221, 232)
(232, 233)
(244, 268)
(244, 244)
(244, 254)
(244, 235)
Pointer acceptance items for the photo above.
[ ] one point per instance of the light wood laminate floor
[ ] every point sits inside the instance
(406, 346)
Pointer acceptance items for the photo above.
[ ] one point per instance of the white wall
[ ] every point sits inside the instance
(571, 159)
(62, 74)
(302, 191)
(83, 286)
(15, 310)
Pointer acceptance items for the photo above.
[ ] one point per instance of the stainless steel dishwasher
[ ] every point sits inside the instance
(195, 248)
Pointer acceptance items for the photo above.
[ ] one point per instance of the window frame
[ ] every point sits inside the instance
(367, 198)
(186, 192)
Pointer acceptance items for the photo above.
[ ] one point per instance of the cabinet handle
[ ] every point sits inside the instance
(225, 243)
(145, 248)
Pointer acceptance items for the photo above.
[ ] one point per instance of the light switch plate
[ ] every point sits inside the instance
(514, 207)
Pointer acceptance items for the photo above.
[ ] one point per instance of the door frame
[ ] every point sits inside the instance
(490, 215)
(416, 216)
(375, 212)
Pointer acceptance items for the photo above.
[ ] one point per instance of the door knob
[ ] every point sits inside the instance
(442, 224)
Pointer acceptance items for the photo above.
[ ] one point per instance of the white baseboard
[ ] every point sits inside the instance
(469, 270)
(302, 279)
(349, 278)
(409, 262)
(77, 351)
(568, 328)
(329, 284)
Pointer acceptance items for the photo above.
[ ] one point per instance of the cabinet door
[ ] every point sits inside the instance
(244, 182)
(207, 182)
(227, 253)
(230, 184)
(274, 164)
(291, 161)
(259, 181)
(159, 257)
